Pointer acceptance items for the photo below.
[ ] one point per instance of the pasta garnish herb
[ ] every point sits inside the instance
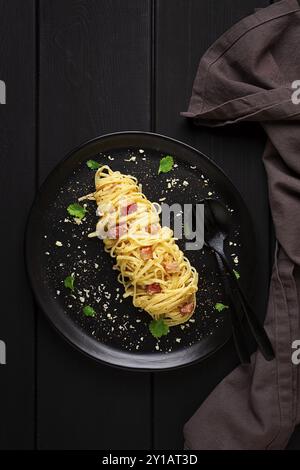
(166, 164)
(158, 328)
(93, 165)
(220, 307)
(89, 311)
(236, 273)
(76, 210)
(69, 282)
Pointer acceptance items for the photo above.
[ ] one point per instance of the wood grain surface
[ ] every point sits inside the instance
(17, 189)
(76, 69)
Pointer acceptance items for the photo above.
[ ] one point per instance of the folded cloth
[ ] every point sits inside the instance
(249, 74)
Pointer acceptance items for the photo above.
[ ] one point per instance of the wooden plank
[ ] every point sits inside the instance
(94, 79)
(184, 30)
(17, 187)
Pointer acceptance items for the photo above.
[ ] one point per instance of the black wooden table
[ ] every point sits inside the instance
(76, 69)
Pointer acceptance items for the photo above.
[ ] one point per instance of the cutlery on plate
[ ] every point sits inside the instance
(217, 228)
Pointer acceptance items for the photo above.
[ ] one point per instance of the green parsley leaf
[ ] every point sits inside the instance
(76, 210)
(89, 311)
(93, 165)
(166, 164)
(219, 306)
(158, 328)
(69, 282)
(237, 274)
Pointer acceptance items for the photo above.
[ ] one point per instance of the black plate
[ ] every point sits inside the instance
(119, 334)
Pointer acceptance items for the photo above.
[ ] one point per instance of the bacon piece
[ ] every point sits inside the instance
(187, 308)
(172, 267)
(146, 253)
(117, 231)
(153, 288)
(153, 229)
(129, 209)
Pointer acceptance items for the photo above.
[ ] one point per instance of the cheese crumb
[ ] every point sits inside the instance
(131, 159)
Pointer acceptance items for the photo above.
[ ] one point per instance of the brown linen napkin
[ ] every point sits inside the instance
(247, 75)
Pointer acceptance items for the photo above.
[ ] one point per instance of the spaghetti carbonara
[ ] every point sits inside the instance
(152, 268)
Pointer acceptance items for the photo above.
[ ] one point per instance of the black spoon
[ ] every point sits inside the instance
(217, 228)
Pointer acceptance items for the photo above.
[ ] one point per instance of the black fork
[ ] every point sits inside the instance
(217, 226)
(238, 332)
